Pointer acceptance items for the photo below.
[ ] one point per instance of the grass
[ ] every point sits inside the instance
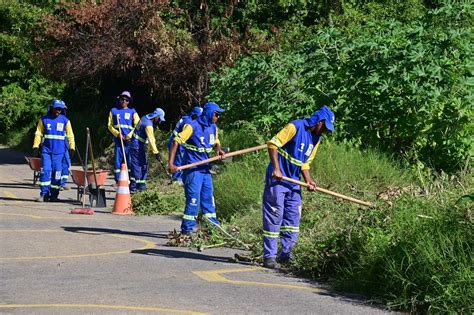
(159, 198)
(413, 252)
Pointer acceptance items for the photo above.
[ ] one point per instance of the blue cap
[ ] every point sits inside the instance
(157, 113)
(58, 104)
(213, 106)
(196, 111)
(324, 113)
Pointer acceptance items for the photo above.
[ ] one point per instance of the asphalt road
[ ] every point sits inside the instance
(53, 262)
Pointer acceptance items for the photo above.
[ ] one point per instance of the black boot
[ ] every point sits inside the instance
(271, 263)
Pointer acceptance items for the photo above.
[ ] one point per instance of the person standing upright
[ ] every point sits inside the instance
(55, 129)
(291, 152)
(122, 114)
(198, 137)
(141, 137)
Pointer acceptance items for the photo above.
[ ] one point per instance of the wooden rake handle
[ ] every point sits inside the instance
(227, 155)
(121, 143)
(335, 194)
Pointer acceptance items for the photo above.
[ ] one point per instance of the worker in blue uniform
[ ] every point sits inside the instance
(198, 138)
(53, 130)
(124, 115)
(178, 160)
(66, 159)
(143, 136)
(291, 152)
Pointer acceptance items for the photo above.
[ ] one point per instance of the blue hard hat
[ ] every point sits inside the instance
(157, 113)
(211, 106)
(58, 104)
(324, 113)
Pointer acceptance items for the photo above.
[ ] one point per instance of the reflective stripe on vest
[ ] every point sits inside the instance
(54, 137)
(194, 148)
(291, 159)
(124, 126)
(139, 138)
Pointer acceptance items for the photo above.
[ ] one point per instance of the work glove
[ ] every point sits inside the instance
(36, 152)
(71, 153)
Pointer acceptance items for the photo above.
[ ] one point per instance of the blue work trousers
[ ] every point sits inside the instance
(65, 170)
(199, 193)
(281, 217)
(119, 159)
(50, 176)
(138, 165)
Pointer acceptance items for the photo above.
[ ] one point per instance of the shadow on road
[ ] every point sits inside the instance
(61, 201)
(186, 254)
(18, 185)
(89, 230)
(9, 156)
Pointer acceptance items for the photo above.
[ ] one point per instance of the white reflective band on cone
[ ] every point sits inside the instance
(123, 190)
(123, 176)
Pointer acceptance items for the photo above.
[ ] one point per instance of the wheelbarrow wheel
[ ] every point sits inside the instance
(80, 192)
(35, 177)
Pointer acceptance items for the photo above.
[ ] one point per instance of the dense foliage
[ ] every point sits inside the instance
(412, 252)
(405, 88)
(153, 45)
(25, 92)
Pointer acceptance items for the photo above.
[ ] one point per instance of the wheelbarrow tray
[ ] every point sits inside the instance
(35, 165)
(78, 177)
(96, 194)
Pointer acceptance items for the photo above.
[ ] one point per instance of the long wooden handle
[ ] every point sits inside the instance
(227, 155)
(335, 194)
(85, 172)
(121, 142)
(92, 157)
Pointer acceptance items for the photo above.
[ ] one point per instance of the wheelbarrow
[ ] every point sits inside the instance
(35, 165)
(78, 179)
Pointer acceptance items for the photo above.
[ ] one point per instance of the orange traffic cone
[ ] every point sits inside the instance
(123, 201)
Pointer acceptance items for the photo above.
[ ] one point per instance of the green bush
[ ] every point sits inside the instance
(159, 198)
(412, 252)
(404, 88)
(25, 93)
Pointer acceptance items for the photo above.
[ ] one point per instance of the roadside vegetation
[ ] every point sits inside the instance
(413, 252)
(398, 74)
